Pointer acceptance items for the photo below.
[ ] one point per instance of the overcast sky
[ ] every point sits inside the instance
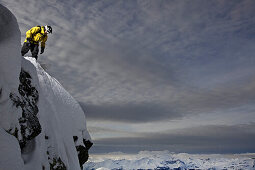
(171, 74)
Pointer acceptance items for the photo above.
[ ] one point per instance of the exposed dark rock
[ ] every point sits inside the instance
(75, 138)
(27, 100)
(55, 161)
(87, 143)
(57, 164)
(82, 150)
(83, 154)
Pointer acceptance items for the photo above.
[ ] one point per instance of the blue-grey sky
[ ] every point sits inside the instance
(165, 74)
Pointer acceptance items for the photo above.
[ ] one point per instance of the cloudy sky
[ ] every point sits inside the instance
(154, 75)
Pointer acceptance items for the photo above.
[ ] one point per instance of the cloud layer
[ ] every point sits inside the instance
(204, 139)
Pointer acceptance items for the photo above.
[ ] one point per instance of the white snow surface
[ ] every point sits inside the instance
(10, 49)
(167, 160)
(10, 63)
(61, 118)
(59, 114)
(10, 155)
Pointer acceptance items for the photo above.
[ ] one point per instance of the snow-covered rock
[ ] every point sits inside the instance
(165, 160)
(41, 124)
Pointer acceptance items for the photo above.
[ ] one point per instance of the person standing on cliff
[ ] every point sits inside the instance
(33, 37)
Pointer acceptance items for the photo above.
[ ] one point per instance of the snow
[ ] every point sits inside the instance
(10, 54)
(60, 116)
(10, 156)
(10, 63)
(168, 160)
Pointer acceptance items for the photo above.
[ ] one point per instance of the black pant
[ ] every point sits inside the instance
(34, 48)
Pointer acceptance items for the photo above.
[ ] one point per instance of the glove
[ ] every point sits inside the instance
(42, 50)
(29, 41)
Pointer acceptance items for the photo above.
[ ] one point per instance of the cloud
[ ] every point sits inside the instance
(131, 112)
(140, 50)
(229, 95)
(186, 103)
(204, 139)
(186, 56)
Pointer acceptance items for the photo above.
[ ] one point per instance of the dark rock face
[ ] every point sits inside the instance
(55, 162)
(87, 143)
(27, 100)
(83, 154)
(82, 150)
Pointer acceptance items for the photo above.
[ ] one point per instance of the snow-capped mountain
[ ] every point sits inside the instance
(41, 125)
(165, 160)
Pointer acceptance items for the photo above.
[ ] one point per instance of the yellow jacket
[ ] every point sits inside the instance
(37, 34)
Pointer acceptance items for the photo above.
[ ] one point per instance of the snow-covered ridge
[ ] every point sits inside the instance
(165, 160)
(41, 124)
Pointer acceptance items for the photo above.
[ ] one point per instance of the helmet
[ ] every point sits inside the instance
(48, 29)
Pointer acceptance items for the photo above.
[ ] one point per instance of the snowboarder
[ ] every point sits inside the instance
(33, 37)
